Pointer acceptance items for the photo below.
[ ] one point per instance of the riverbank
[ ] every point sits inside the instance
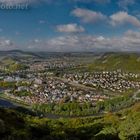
(6, 104)
(18, 104)
(14, 101)
(23, 107)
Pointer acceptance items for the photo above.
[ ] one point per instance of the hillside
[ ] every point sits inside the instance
(112, 61)
(18, 54)
(123, 125)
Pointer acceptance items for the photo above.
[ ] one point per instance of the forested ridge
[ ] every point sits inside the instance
(122, 125)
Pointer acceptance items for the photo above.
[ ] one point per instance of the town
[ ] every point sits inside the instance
(40, 82)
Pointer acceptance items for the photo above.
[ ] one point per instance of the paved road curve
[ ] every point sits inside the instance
(135, 95)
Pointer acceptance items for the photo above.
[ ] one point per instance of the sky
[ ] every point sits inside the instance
(70, 25)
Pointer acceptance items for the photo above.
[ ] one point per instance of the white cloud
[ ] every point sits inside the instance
(102, 1)
(89, 1)
(100, 38)
(132, 38)
(42, 21)
(36, 40)
(125, 3)
(70, 28)
(88, 16)
(6, 44)
(17, 33)
(121, 18)
(1, 30)
(130, 41)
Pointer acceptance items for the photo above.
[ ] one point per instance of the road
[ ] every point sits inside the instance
(75, 84)
(135, 95)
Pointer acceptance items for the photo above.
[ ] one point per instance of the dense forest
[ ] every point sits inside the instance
(85, 109)
(123, 125)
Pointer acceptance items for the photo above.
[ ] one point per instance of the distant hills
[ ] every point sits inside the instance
(101, 61)
(25, 54)
(17, 54)
(112, 61)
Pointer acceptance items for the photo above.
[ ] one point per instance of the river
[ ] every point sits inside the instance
(7, 104)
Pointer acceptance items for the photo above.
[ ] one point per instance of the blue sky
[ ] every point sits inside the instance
(70, 25)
